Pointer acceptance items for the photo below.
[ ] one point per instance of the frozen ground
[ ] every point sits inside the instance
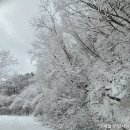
(20, 123)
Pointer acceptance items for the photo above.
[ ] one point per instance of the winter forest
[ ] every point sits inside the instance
(81, 50)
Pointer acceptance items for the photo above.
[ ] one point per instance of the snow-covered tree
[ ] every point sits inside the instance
(6, 61)
(82, 51)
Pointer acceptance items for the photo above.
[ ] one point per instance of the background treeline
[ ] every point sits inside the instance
(11, 90)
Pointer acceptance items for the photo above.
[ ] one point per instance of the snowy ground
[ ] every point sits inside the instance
(20, 123)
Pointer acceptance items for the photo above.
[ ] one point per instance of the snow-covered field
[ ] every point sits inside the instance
(20, 123)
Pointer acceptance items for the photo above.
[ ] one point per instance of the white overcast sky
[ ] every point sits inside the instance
(16, 32)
